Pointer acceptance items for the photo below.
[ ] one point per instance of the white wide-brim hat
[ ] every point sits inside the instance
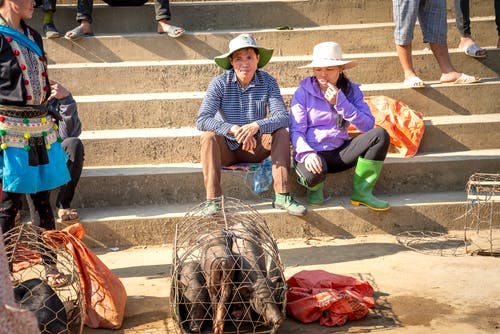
(328, 54)
(244, 41)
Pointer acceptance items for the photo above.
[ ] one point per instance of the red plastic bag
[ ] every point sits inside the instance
(330, 298)
(402, 123)
(104, 294)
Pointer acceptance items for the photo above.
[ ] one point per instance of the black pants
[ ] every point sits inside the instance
(46, 5)
(11, 204)
(73, 147)
(84, 10)
(462, 16)
(372, 145)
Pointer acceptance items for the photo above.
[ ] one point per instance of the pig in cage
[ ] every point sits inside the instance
(227, 275)
(45, 280)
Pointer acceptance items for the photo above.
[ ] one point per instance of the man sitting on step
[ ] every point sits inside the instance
(244, 119)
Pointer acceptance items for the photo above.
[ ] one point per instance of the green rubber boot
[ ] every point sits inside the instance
(365, 177)
(288, 203)
(315, 194)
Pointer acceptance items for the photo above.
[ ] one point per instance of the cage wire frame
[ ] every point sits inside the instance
(26, 251)
(188, 248)
(483, 196)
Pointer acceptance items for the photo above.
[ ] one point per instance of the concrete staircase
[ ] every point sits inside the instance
(139, 93)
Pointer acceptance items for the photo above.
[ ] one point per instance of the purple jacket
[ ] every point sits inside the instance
(313, 120)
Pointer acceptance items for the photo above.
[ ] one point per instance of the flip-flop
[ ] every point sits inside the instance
(69, 216)
(473, 49)
(414, 82)
(57, 280)
(171, 31)
(77, 34)
(464, 79)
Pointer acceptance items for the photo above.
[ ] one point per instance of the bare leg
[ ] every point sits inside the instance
(440, 51)
(405, 58)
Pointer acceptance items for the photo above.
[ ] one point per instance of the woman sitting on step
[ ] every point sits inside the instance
(321, 110)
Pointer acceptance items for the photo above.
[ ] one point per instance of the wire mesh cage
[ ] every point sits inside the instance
(57, 303)
(482, 221)
(227, 275)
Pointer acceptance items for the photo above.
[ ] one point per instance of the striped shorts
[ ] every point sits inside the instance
(431, 16)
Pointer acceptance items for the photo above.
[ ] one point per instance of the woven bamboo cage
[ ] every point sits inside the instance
(31, 259)
(234, 224)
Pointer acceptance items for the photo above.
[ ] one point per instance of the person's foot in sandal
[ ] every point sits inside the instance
(471, 48)
(172, 31)
(413, 82)
(67, 216)
(54, 278)
(458, 78)
(83, 30)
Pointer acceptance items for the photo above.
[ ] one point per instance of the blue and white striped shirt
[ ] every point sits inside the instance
(226, 103)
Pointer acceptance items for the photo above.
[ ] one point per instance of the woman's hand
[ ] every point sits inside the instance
(313, 163)
(331, 94)
(57, 91)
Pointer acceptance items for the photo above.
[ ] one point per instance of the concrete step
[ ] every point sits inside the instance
(195, 75)
(177, 145)
(210, 15)
(354, 38)
(137, 185)
(178, 110)
(125, 226)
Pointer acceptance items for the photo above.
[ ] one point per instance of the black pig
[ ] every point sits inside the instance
(251, 279)
(194, 295)
(217, 263)
(37, 296)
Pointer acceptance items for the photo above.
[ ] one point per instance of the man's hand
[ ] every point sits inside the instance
(313, 163)
(245, 135)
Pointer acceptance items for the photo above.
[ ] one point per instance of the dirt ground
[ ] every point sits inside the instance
(422, 283)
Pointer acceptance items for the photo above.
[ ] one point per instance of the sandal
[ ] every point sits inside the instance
(68, 216)
(77, 34)
(463, 79)
(474, 50)
(57, 280)
(414, 82)
(173, 31)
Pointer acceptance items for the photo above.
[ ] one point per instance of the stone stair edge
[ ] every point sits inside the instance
(155, 225)
(195, 167)
(230, 33)
(285, 91)
(161, 211)
(274, 59)
(168, 132)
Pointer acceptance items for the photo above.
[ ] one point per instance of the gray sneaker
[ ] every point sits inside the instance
(288, 203)
(50, 31)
